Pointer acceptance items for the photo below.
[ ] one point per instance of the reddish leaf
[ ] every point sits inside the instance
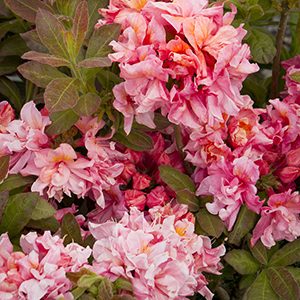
(61, 94)
(87, 104)
(27, 9)
(97, 62)
(41, 75)
(33, 41)
(4, 165)
(51, 33)
(45, 58)
(80, 24)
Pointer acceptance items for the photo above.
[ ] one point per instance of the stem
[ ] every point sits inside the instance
(279, 43)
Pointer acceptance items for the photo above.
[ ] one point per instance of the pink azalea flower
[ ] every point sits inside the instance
(60, 171)
(7, 114)
(162, 258)
(231, 184)
(24, 137)
(135, 198)
(279, 219)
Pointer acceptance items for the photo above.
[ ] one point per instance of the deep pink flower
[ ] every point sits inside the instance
(7, 114)
(135, 198)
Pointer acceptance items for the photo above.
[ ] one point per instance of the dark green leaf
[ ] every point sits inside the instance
(283, 283)
(42, 210)
(15, 181)
(246, 281)
(18, 212)
(259, 251)
(188, 198)
(287, 255)
(80, 25)
(136, 140)
(13, 45)
(176, 180)
(61, 94)
(245, 222)
(295, 272)
(262, 46)
(261, 289)
(51, 33)
(211, 224)
(99, 42)
(242, 261)
(4, 165)
(10, 90)
(70, 229)
(9, 65)
(87, 105)
(41, 75)
(3, 202)
(44, 224)
(26, 9)
(45, 58)
(62, 121)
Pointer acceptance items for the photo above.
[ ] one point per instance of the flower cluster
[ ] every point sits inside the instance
(160, 255)
(39, 270)
(182, 57)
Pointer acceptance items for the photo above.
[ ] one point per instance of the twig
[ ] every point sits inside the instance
(279, 43)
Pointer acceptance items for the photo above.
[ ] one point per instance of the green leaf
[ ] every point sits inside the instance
(4, 166)
(3, 202)
(245, 222)
(105, 291)
(255, 12)
(99, 42)
(70, 230)
(9, 65)
(27, 9)
(13, 25)
(10, 90)
(42, 210)
(44, 224)
(123, 284)
(95, 62)
(45, 58)
(242, 261)
(94, 6)
(61, 94)
(87, 105)
(13, 46)
(296, 76)
(176, 180)
(261, 289)
(246, 281)
(41, 75)
(259, 251)
(123, 297)
(295, 272)
(136, 140)
(18, 212)
(15, 181)
(80, 25)
(75, 276)
(88, 280)
(287, 255)
(51, 33)
(62, 121)
(261, 45)
(188, 198)
(283, 283)
(211, 224)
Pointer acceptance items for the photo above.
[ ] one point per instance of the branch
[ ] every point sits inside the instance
(279, 43)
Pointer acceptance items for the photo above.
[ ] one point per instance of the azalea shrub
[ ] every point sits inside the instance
(149, 149)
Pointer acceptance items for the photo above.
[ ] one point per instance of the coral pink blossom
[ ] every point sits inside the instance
(279, 219)
(24, 137)
(163, 259)
(231, 185)
(135, 198)
(7, 114)
(60, 171)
